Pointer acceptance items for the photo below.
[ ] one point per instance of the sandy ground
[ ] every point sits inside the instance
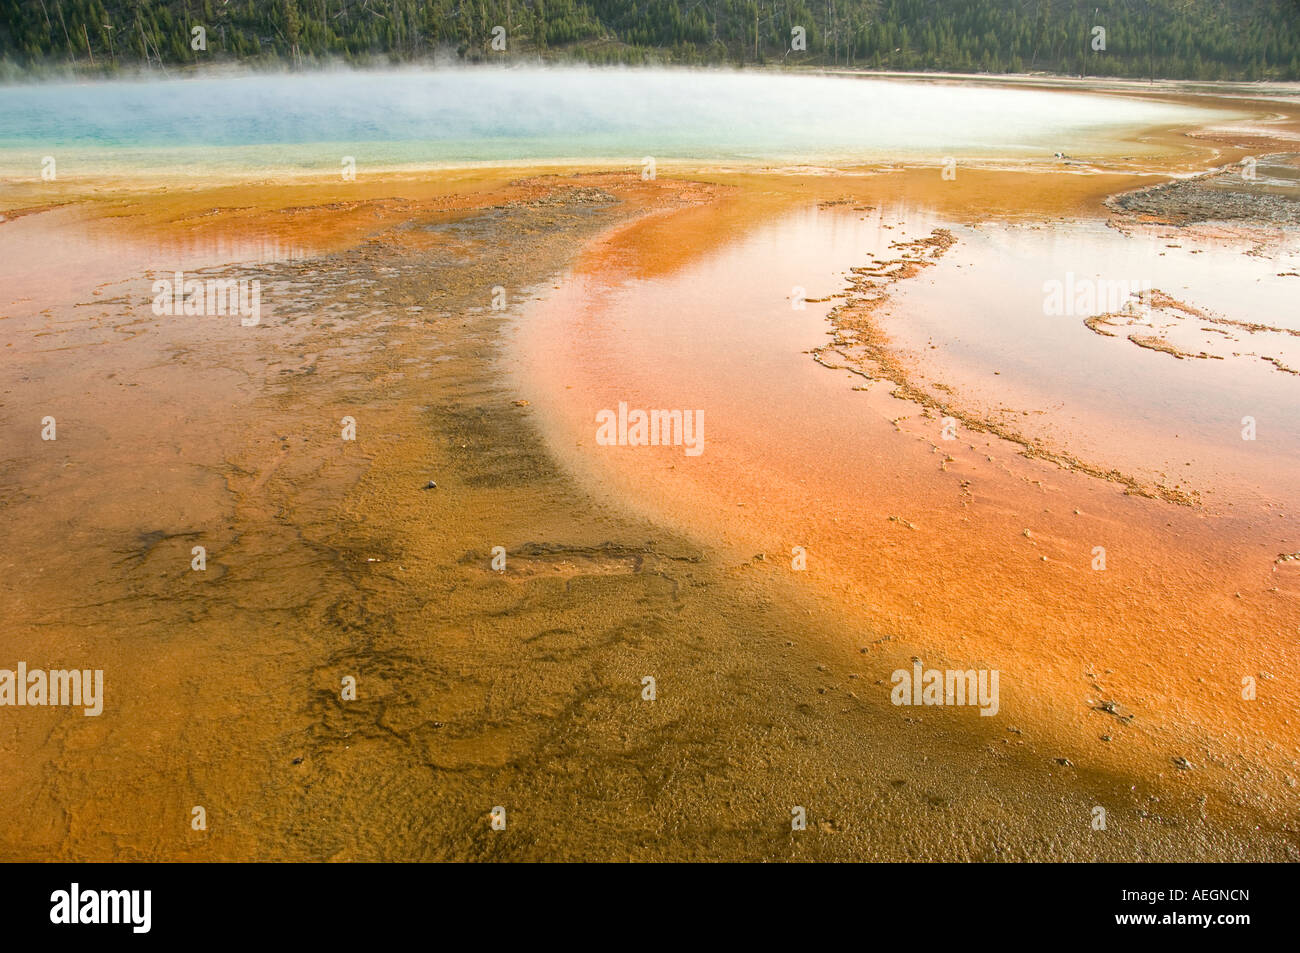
(331, 558)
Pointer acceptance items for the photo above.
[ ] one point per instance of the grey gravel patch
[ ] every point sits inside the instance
(1272, 197)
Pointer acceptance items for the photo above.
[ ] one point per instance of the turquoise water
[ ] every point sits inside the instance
(469, 115)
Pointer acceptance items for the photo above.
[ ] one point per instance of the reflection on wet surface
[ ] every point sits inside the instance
(976, 548)
(984, 321)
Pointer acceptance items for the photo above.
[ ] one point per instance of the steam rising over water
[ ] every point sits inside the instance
(435, 116)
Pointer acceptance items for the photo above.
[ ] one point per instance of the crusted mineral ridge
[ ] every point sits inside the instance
(865, 347)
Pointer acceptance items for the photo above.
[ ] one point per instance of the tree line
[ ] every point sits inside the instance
(1180, 39)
